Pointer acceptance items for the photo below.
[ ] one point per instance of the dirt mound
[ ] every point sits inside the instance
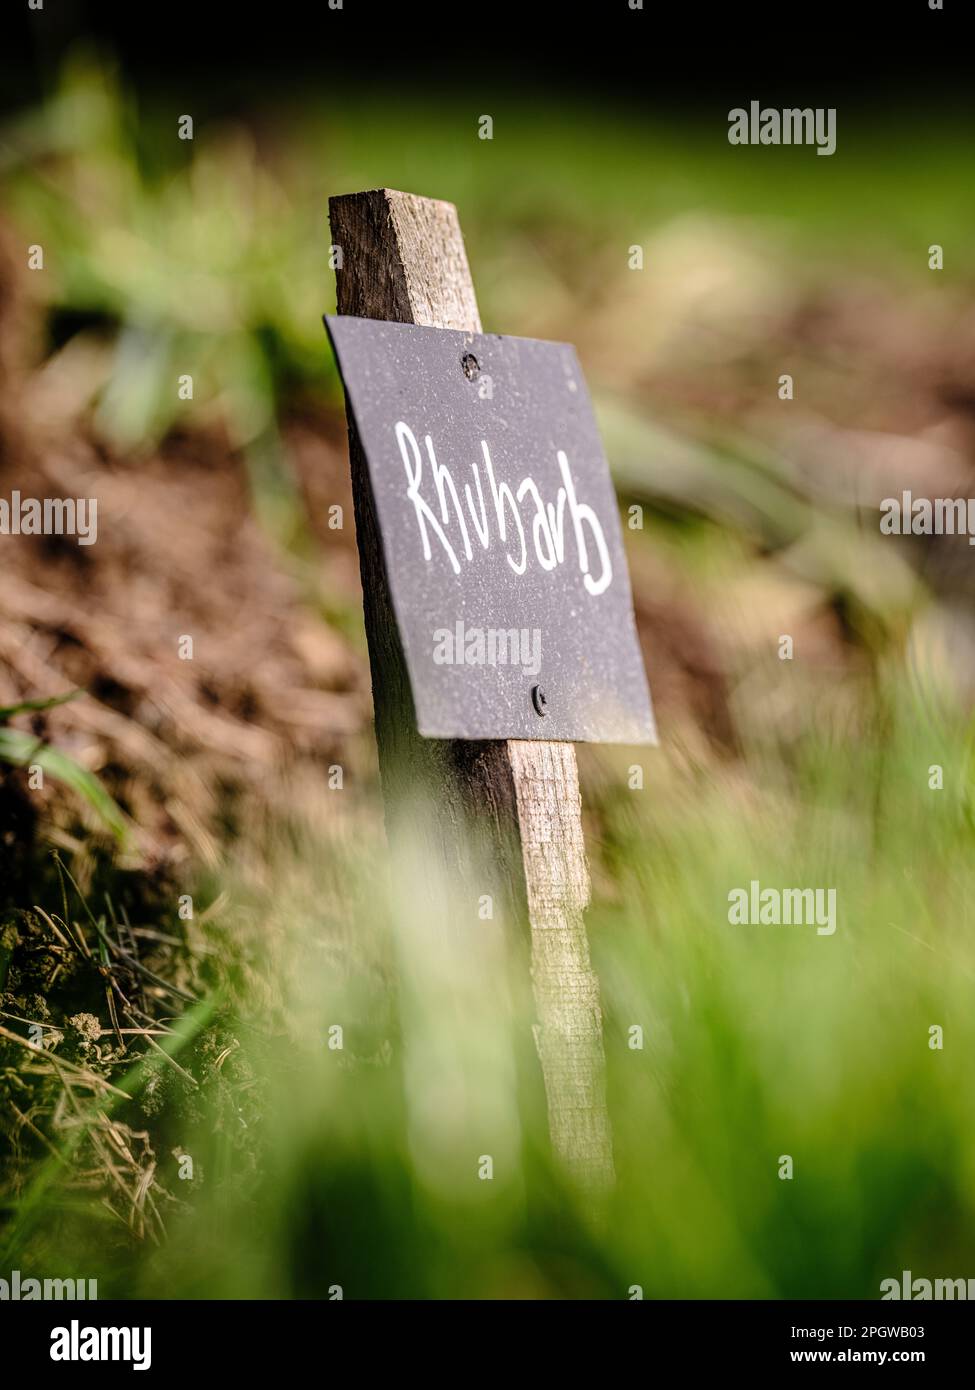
(200, 642)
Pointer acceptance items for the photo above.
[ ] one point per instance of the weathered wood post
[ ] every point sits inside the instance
(403, 259)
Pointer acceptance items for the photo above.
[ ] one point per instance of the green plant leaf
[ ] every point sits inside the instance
(19, 748)
(28, 706)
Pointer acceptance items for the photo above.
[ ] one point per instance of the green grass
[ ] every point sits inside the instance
(358, 1167)
(21, 749)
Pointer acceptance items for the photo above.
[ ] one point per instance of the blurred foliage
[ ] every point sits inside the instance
(212, 254)
(315, 1166)
(200, 265)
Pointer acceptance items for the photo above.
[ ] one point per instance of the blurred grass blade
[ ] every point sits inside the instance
(19, 749)
(32, 706)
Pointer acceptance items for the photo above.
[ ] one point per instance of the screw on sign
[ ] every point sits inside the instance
(492, 514)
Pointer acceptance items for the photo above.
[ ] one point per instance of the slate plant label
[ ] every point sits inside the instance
(500, 534)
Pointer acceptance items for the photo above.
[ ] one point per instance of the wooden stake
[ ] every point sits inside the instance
(403, 259)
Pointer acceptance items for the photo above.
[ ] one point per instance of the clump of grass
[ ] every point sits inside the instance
(95, 1013)
(361, 1167)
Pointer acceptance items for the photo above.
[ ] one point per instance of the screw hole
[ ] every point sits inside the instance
(471, 366)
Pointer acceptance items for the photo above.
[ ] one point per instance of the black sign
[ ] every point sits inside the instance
(500, 532)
